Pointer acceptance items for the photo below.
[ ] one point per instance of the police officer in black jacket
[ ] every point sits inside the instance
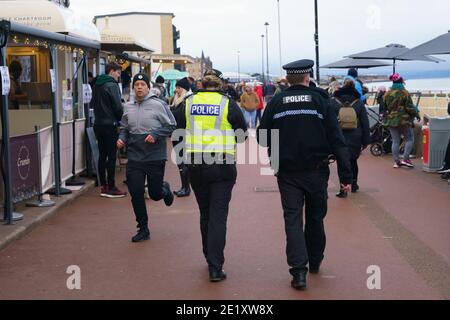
(309, 136)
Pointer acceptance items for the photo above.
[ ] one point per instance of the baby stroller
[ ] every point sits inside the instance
(380, 137)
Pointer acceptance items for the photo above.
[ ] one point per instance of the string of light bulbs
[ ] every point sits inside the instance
(42, 43)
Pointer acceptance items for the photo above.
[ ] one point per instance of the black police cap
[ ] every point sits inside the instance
(304, 66)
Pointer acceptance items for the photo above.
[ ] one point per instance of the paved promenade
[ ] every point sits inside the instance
(399, 221)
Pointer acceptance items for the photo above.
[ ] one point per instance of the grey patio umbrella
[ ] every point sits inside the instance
(439, 45)
(356, 63)
(392, 52)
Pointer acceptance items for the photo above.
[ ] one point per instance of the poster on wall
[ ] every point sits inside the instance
(87, 93)
(26, 68)
(29, 67)
(6, 84)
(67, 103)
(53, 79)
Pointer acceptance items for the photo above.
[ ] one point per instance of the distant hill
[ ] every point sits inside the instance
(426, 74)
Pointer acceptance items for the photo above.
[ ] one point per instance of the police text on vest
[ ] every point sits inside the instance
(293, 99)
(205, 110)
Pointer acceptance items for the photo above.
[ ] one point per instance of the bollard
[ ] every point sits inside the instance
(426, 139)
(435, 105)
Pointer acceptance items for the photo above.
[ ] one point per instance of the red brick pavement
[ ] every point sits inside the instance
(399, 221)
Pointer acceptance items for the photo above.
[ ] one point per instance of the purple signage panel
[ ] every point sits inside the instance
(25, 169)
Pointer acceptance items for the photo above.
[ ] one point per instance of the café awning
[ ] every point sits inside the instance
(393, 52)
(15, 29)
(49, 16)
(439, 45)
(118, 42)
(172, 58)
(356, 63)
(132, 58)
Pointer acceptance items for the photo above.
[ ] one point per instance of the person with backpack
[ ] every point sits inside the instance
(354, 123)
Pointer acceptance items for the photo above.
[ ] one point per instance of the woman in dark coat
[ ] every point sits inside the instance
(357, 139)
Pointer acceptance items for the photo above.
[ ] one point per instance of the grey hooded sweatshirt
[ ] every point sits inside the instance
(151, 116)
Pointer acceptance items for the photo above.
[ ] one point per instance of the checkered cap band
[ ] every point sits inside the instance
(299, 71)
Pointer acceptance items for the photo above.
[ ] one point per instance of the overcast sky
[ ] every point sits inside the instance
(222, 28)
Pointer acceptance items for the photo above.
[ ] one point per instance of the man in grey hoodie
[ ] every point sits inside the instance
(146, 124)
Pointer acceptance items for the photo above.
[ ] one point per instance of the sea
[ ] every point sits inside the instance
(434, 85)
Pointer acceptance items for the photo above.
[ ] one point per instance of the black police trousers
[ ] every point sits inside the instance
(308, 188)
(137, 173)
(213, 185)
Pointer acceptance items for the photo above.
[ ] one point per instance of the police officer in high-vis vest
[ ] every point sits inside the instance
(213, 124)
(309, 137)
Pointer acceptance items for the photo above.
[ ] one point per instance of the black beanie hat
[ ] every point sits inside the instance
(160, 79)
(183, 83)
(141, 77)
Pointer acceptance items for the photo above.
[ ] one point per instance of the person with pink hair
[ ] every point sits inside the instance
(399, 118)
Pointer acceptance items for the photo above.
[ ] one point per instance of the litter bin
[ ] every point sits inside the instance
(436, 133)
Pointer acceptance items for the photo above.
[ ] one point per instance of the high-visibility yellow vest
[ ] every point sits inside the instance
(207, 125)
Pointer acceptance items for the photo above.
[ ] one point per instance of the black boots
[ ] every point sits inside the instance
(341, 194)
(314, 267)
(216, 276)
(299, 281)
(185, 190)
(143, 234)
(168, 196)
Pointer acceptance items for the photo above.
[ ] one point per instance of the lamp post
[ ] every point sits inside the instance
(316, 39)
(279, 37)
(239, 67)
(262, 58)
(267, 49)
